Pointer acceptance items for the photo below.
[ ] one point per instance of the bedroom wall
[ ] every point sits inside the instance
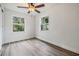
(0, 28)
(9, 35)
(63, 26)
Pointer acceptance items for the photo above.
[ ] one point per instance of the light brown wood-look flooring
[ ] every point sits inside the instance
(31, 47)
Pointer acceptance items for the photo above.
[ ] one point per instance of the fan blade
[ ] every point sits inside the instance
(28, 12)
(21, 7)
(38, 6)
(32, 4)
(37, 11)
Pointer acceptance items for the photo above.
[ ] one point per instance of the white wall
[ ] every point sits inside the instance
(0, 27)
(63, 26)
(9, 35)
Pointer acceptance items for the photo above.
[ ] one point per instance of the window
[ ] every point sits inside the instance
(44, 23)
(18, 24)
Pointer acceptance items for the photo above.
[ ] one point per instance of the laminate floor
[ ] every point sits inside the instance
(31, 47)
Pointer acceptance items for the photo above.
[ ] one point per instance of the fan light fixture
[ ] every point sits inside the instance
(32, 7)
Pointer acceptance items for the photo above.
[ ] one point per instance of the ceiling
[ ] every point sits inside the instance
(12, 6)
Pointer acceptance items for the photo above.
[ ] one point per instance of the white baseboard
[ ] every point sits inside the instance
(17, 40)
(59, 44)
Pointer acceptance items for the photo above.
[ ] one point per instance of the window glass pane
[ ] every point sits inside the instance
(44, 23)
(18, 24)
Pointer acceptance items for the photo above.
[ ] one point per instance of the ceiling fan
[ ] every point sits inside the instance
(32, 7)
